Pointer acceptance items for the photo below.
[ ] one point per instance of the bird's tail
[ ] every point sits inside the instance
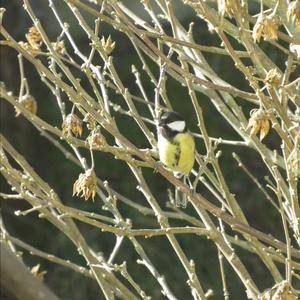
(181, 199)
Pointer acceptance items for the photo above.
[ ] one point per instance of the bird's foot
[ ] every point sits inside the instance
(157, 165)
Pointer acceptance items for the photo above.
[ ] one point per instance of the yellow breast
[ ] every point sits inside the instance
(179, 154)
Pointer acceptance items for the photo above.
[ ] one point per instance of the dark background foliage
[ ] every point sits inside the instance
(60, 173)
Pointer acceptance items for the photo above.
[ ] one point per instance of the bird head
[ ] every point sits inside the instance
(172, 123)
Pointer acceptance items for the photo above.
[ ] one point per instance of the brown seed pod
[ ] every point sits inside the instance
(34, 38)
(293, 13)
(59, 47)
(259, 122)
(95, 140)
(266, 26)
(273, 78)
(86, 185)
(29, 103)
(90, 121)
(226, 7)
(280, 291)
(72, 124)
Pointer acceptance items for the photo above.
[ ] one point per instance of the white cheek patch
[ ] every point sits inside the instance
(177, 126)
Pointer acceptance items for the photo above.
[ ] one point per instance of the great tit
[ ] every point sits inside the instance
(176, 145)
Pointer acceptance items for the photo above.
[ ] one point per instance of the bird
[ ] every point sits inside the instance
(176, 145)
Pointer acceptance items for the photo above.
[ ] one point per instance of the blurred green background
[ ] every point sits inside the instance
(61, 173)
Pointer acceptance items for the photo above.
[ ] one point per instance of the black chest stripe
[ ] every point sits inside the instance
(177, 154)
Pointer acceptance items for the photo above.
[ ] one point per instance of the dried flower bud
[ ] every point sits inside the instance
(72, 124)
(59, 47)
(29, 103)
(259, 122)
(280, 291)
(293, 13)
(273, 78)
(28, 48)
(108, 45)
(91, 123)
(85, 185)
(34, 38)
(226, 6)
(266, 26)
(95, 140)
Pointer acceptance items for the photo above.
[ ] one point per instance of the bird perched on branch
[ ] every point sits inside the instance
(176, 146)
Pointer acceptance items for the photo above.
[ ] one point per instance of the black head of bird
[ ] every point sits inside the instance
(171, 123)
